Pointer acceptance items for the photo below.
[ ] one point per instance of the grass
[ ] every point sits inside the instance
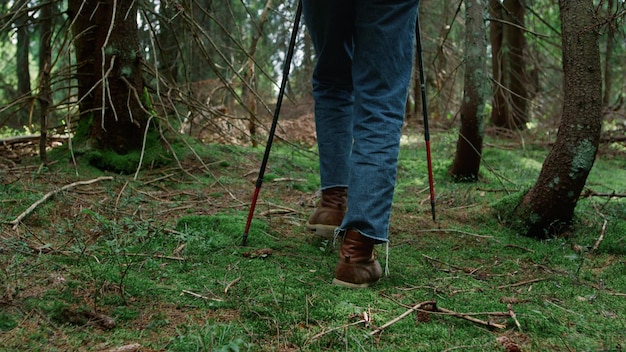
(157, 261)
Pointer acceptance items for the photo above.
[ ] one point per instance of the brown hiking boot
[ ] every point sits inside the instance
(329, 212)
(358, 266)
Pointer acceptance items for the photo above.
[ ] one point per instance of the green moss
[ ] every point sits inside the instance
(109, 160)
(554, 182)
(126, 71)
(506, 210)
(109, 51)
(82, 129)
(7, 321)
(154, 155)
(584, 155)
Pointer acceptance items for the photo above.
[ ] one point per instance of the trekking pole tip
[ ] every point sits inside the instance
(432, 208)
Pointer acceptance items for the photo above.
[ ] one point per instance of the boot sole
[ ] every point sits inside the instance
(324, 231)
(352, 285)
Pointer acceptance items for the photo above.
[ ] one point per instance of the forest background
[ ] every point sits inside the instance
(174, 99)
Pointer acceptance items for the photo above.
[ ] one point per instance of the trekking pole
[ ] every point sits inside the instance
(431, 183)
(270, 137)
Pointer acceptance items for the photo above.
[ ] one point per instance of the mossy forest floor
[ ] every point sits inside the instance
(154, 262)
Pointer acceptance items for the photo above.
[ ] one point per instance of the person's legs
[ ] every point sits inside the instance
(331, 31)
(382, 62)
(382, 65)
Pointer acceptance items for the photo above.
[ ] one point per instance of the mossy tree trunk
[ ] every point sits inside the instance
(548, 208)
(109, 73)
(477, 90)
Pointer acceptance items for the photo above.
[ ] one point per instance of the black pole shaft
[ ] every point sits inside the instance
(270, 137)
(431, 183)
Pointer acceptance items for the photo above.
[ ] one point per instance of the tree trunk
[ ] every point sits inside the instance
(517, 76)
(441, 64)
(248, 94)
(170, 43)
(548, 208)
(22, 65)
(45, 63)
(500, 111)
(109, 73)
(477, 90)
(608, 56)
(509, 64)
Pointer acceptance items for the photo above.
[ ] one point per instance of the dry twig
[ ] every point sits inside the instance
(230, 284)
(521, 283)
(325, 332)
(50, 194)
(197, 295)
(513, 316)
(365, 319)
(401, 316)
(431, 307)
(160, 256)
(601, 238)
(467, 317)
(133, 347)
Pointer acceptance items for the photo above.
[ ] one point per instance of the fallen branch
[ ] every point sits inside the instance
(160, 256)
(365, 318)
(522, 283)
(230, 284)
(197, 295)
(601, 238)
(401, 316)
(591, 193)
(514, 316)
(469, 318)
(430, 307)
(50, 194)
(31, 138)
(278, 211)
(288, 179)
(133, 347)
(325, 332)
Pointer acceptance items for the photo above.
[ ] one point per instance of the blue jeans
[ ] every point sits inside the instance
(360, 85)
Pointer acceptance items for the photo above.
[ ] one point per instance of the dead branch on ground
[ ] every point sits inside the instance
(50, 194)
(430, 307)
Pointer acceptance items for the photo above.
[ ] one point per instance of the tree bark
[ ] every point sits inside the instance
(250, 76)
(170, 43)
(548, 208)
(509, 64)
(45, 63)
(23, 44)
(22, 65)
(517, 75)
(109, 73)
(500, 110)
(466, 164)
(608, 56)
